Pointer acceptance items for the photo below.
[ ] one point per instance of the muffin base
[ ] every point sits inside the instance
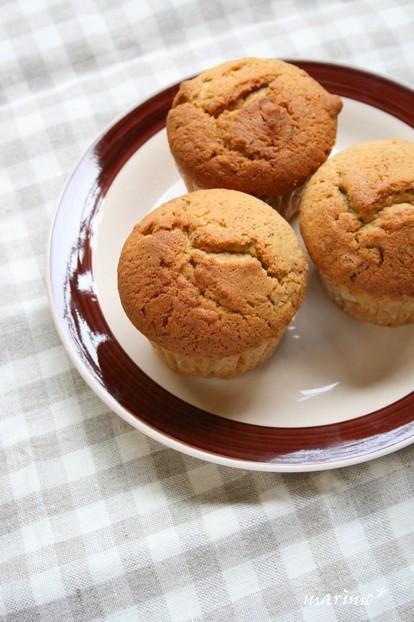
(381, 311)
(226, 367)
(286, 204)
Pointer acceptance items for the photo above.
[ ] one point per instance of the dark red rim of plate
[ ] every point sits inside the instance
(104, 363)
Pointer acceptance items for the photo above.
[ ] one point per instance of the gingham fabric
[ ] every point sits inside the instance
(97, 521)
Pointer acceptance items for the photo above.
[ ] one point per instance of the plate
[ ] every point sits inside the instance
(336, 392)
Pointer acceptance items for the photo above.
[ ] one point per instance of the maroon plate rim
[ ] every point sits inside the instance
(124, 386)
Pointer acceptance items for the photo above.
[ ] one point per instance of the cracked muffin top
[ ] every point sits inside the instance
(212, 273)
(255, 125)
(357, 218)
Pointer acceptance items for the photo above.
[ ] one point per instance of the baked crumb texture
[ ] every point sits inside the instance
(357, 221)
(255, 125)
(212, 279)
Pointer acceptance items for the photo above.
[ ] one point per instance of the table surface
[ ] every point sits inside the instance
(97, 520)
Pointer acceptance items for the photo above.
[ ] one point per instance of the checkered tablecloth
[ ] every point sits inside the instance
(97, 521)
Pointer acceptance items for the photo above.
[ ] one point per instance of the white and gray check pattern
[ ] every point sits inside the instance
(97, 521)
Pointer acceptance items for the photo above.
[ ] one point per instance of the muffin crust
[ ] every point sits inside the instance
(212, 274)
(357, 219)
(255, 125)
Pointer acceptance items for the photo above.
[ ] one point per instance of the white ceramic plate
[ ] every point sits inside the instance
(337, 391)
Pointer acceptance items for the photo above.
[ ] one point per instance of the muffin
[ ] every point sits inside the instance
(357, 221)
(255, 125)
(212, 279)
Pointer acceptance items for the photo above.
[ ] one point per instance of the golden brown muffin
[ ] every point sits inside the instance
(255, 125)
(357, 221)
(212, 279)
